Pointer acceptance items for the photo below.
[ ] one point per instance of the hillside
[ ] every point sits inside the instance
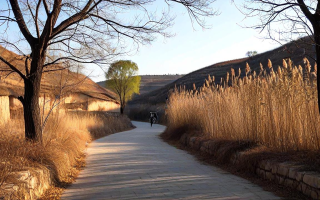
(55, 81)
(152, 82)
(295, 50)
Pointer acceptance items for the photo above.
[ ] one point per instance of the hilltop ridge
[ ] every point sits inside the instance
(295, 50)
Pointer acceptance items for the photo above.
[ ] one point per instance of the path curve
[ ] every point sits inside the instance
(136, 164)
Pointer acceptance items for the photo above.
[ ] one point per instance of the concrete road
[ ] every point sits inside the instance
(137, 164)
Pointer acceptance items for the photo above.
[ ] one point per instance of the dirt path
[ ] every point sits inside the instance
(136, 164)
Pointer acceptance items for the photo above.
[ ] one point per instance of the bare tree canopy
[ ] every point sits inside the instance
(86, 31)
(287, 20)
(282, 20)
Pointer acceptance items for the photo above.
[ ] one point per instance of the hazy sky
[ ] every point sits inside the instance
(193, 49)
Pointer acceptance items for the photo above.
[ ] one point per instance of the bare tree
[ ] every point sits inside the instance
(85, 31)
(285, 20)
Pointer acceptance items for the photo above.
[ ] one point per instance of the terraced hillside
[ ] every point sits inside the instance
(152, 82)
(296, 51)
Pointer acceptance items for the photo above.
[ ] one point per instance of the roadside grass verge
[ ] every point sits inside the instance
(64, 140)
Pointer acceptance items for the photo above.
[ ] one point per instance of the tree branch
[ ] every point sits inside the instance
(13, 67)
(20, 21)
(306, 11)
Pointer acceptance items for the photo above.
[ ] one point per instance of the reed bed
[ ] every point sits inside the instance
(275, 107)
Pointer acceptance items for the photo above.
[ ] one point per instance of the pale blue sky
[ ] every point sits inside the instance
(192, 49)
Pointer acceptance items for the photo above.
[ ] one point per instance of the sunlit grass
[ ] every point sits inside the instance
(64, 139)
(276, 108)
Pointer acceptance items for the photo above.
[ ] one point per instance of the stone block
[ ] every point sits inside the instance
(293, 173)
(268, 166)
(262, 173)
(295, 184)
(262, 164)
(280, 180)
(270, 176)
(283, 170)
(299, 176)
(299, 188)
(312, 179)
(257, 171)
(274, 169)
(307, 191)
(314, 194)
(288, 182)
(303, 188)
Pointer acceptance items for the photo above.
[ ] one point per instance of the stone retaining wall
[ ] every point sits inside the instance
(29, 184)
(287, 174)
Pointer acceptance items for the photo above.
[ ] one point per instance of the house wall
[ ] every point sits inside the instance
(4, 109)
(15, 104)
(47, 100)
(76, 98)
(103, 106)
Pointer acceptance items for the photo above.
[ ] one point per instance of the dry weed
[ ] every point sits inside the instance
(277, 108)
(64, 139)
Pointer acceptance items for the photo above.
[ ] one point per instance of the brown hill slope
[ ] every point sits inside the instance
(295, 50)
(54, 82)
(149, 83)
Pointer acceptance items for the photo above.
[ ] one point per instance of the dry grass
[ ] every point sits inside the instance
(276, 108)
(64, 140)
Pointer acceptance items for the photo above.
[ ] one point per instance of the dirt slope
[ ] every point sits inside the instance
(296, 51)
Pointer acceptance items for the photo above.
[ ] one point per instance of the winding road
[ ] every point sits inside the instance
(136, 164)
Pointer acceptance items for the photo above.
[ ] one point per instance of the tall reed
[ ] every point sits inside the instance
(276, 107)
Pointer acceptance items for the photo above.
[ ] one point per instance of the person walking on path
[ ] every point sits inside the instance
(153, 118)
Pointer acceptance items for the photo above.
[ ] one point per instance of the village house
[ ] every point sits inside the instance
(61, 90)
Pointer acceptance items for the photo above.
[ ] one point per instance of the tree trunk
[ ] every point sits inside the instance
(31, 109)
(121, 110)
(122, 106)
(316, 29)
